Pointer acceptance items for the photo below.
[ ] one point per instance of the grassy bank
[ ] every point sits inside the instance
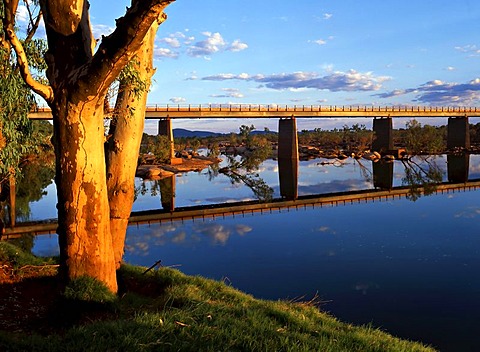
(165, 310)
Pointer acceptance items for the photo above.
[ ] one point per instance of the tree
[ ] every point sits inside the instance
(79, 78)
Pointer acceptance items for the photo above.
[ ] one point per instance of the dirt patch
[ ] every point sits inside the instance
(27, 296)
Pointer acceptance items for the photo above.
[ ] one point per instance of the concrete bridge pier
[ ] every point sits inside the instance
(287, 138)
(458, 133)
(383, 134)
(165, 129)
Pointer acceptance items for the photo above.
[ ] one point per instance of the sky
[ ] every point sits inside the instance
(313, 52)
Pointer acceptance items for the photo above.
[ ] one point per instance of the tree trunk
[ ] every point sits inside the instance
(124, 144)
(84, 226)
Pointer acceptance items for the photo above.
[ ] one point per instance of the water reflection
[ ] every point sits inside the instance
(288, 177)
(189, 235)
(383, 175)
(458, 167)
(243, 170)
(422, 175)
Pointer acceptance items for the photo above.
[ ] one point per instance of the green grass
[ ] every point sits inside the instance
(18, 257)
(166, 310)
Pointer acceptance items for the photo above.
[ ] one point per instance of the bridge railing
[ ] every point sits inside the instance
(293, 108)
(306, 108)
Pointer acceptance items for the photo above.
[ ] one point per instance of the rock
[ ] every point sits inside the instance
(152, 172)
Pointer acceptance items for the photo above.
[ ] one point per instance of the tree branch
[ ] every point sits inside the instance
(33, 26)
(117, 49)
(44, 91)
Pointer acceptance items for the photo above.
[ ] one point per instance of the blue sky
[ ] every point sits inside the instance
(306, 52)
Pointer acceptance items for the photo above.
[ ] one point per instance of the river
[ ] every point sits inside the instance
(408, 266)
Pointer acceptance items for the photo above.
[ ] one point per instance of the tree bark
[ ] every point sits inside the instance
(83, 227)
(124, 144)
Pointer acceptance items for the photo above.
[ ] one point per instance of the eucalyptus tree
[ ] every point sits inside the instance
(79, 75)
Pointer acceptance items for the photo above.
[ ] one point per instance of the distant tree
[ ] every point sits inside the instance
(423, 140)
(245, 132)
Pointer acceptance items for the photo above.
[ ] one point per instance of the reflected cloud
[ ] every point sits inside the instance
(243, 229)
(363, 287)
(227, 200)
(325, 229)
(148, 237)
(469, 213)
(218, 234)
(335, 186)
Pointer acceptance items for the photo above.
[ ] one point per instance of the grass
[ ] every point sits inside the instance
(166, 310)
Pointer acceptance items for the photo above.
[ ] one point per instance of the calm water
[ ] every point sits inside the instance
(409, 267)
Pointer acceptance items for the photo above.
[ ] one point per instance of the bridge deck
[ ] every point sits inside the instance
(246, 208)
(279, 111)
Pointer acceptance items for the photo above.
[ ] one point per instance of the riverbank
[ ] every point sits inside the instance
(159, 171)
(163, 309)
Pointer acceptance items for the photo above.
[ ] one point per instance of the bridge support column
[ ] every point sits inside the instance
(287, 138)
(458, 133)
(383, 135)
(165, 129)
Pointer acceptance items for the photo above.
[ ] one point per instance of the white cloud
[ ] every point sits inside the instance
(320, 41)
(100, 29)
(22, 14)
(171, 41)
(178, 100)
(470, 49)
(229, 93)
(335, 81)
(165, 52)
(212, 44)
(327, 16)
(237, 46)
(183, 42)
(441, 93)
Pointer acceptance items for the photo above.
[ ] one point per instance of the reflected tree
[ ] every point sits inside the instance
(425, 174)
(244, 170)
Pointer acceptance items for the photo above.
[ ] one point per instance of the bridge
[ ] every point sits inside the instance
(458, 125)
(258, 111)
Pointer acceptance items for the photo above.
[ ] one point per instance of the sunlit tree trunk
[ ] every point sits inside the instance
(124, 143)
(84, 226)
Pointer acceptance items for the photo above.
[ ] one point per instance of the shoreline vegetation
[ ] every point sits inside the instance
(161, 309)
(338, 144)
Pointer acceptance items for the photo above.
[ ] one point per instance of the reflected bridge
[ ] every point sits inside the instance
(253, 207)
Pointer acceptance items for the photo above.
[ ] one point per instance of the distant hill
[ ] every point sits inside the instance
(181, 132)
